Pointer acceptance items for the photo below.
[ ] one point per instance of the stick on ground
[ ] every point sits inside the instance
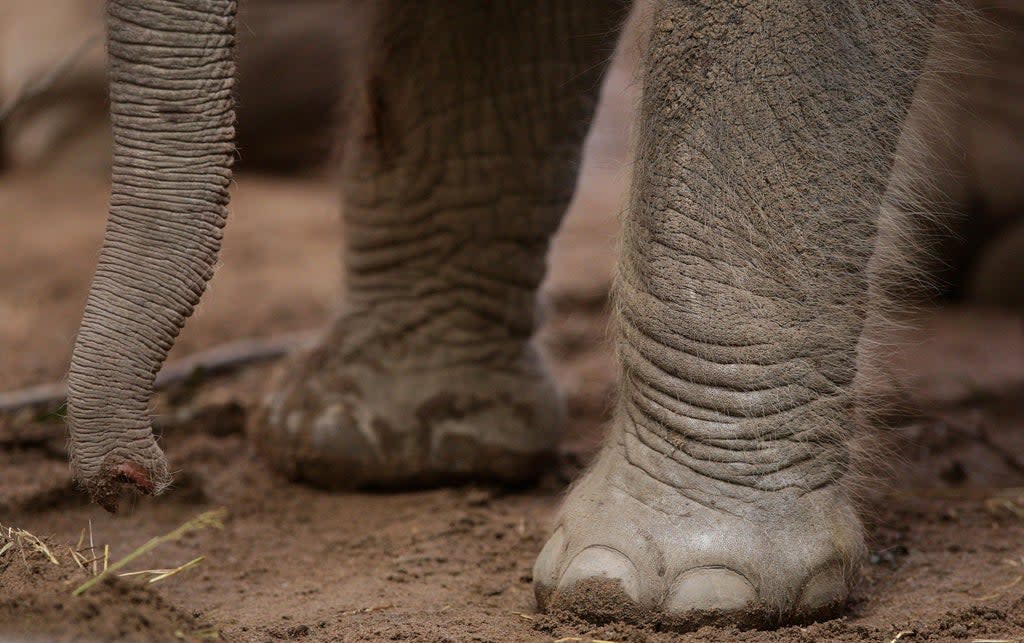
(214, 361)
(33, 90)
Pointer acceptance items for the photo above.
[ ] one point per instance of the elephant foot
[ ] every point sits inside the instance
(630, 546)
(367, 411)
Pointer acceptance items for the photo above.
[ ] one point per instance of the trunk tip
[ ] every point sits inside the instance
(106, 488)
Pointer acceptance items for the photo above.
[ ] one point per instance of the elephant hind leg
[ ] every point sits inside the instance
(461, 141)
(956, 200)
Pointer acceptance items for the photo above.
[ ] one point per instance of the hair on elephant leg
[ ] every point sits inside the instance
(923, 231)
(768, 134)
(462, 134)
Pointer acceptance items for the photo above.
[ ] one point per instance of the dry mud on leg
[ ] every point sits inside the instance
(430, 374)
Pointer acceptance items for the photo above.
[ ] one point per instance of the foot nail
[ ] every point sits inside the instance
(595, 563)
(709, 588)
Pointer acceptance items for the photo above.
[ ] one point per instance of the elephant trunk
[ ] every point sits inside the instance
(171, 78)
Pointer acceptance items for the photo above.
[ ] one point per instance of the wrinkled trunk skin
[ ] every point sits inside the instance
(172, 74)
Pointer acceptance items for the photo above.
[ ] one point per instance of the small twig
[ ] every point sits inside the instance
(78, 558)
(1010, 501)
(39, 395)
(31, 91)
(92, 549)
(366, 610)
(205, 634)
(1008, 456)
(981, 435)
(24, 539)
(213, 518)
(214, 361)
(36, 543)
(161, 574)
(1002, 590)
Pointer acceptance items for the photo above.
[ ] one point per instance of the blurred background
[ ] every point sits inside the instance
(288, 68)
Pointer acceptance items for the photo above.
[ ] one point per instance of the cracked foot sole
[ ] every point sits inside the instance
(627, 547)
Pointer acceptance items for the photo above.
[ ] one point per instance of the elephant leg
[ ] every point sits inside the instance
(768, 134)
(460, 154)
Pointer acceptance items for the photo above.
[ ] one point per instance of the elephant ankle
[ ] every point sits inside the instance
(744, 476)
(364, 410)
(426, 334)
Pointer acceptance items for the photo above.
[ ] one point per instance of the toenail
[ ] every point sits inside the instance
(709, 588)
(825, 588)
(600, 562)
(293, 423)
(335, 431)
(326, 428)
(545, 569)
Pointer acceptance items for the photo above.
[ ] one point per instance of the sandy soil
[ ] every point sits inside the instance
(291, 563)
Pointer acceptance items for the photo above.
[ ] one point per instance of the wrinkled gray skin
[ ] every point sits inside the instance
(766, 138)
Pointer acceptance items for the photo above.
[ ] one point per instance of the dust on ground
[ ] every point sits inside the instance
(946, 531)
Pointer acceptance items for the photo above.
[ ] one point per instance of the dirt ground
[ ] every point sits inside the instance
(946, 526)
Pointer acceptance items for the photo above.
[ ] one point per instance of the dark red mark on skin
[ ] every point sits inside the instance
(132, 473)
(106, 491)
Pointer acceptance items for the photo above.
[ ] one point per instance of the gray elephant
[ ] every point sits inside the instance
(769, 223)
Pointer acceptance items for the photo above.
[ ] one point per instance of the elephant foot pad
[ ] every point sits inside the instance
(348, 424)
(628, 547)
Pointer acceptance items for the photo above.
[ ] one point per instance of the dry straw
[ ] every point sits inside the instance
(214, 519)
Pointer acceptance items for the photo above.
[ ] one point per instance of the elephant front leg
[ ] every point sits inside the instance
(461, 144)
(768, 133)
